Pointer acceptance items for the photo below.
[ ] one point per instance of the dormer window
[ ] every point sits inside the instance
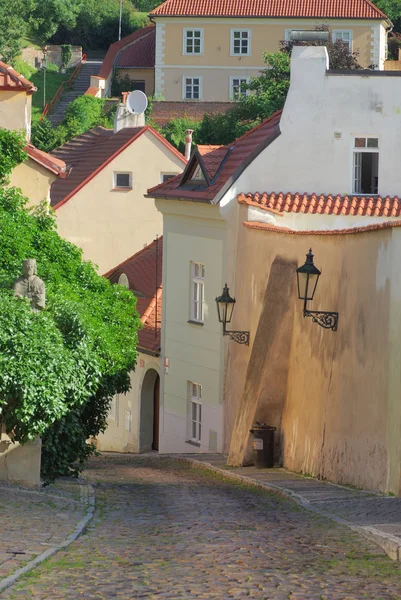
(198, 174)
(365, 165)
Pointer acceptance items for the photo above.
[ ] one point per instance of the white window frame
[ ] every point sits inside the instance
(356, 161)
(233, 31)
(184, 78)
(165, 174)
(112, 417)
(197, 310)
(231, 91)
(340, 32)
(195, 400)
(185, 38)
(120, 187)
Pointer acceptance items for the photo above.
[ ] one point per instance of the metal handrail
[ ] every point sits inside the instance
(65, 85)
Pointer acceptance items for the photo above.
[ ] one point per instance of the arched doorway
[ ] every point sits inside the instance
(150, 407)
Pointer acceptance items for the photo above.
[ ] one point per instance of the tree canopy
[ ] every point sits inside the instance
(59, 368)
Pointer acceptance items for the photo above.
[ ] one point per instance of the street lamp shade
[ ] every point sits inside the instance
(307, 276)
(225, 306)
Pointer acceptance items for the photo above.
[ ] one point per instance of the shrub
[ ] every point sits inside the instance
(25, 69)
(174, 131)
(66, 54)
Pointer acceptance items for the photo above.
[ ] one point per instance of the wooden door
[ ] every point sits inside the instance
(156, 414)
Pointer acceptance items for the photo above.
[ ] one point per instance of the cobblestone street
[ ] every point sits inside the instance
(164, 530)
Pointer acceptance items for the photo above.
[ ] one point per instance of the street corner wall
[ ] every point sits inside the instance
(265, 384)
(20, 464)
(334, 396)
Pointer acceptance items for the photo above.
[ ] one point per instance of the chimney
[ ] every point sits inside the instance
(124, 118)
(188, 143)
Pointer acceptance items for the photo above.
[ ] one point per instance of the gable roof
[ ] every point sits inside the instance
(341, 9)
(11, 80)
(221, 166)
(51, 163)
(87, 154)
(114, 49)
(330, 204)
(144, 273)
(139, 55)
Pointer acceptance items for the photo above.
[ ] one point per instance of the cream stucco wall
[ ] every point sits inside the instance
(128, 432)
(20, 464)
(341, 418)
(146, 75)
(191, 232)
(16, 111)
(172, 64)
(34, 181)
(109, 225)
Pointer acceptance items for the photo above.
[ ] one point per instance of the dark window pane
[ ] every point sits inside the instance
(122, 180)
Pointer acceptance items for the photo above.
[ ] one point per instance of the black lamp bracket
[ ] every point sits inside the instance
(324, 318)
(241, 337)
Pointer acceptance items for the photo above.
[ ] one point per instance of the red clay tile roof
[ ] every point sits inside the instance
(141, 54)
(92, 91)
(344, 9)
(55, 165)
(374, 206)
(223, 165)
(114, 49)
(10, 80)
(87, 154)
(146, 282)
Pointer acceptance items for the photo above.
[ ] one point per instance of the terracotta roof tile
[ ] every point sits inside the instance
(349, 231)
(11, 80)
(86, 154)
(53, 164)
(140, 54)
(374, 206)
(344, 9)
(115, 48)
(146, 282)
(224, 164)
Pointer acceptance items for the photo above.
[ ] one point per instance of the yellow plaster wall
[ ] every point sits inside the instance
(117, 438)
(111, 226)
(266, 35)
(341, 415)
(34, 181)
(146, 75)
(15, 110)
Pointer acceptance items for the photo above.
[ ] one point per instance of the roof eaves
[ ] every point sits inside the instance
(127, 260)
(325, 232)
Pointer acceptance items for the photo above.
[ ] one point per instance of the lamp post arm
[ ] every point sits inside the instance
(326, 319)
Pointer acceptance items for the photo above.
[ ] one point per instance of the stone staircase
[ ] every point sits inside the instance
(79, 87)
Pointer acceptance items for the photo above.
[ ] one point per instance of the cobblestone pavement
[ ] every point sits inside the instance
(33, 521)
(164, 530)
(368, 510)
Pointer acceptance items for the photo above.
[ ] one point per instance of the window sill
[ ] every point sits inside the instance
(192, 54)
(192, 443)
(121, 189)
(192, 99)
(200, 323)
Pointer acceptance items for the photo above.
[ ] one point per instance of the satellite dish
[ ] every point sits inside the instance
(137, 102)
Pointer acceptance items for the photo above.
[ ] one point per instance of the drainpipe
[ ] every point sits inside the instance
(188, 143)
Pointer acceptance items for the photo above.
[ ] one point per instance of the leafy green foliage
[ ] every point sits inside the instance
(66, 54)
(391, 8)
(49, 15)
(12, 153)
(59, 368)
(174, 131)
(24, 68)
(14, 24)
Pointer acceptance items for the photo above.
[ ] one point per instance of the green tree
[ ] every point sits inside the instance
(14, 24)
(58, 368)
(391, 8)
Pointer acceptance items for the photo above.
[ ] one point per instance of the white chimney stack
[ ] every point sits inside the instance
(188, 143)
(124, 118)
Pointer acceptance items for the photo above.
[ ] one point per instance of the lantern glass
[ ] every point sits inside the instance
(308, 276)
(225, 306)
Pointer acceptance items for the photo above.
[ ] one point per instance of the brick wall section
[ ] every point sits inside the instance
(164, 111)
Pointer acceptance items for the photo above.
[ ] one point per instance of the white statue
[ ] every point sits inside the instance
(30, 286)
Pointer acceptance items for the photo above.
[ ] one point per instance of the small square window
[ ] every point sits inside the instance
(237, 87)
(122, 180)
(193, 41)
(192, 88)
(166, 176)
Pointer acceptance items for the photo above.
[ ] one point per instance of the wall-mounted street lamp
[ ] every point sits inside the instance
(308, 276)
(225, 309)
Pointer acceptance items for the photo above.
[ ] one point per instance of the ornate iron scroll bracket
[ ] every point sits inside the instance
(326, 319)
(241, 337)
